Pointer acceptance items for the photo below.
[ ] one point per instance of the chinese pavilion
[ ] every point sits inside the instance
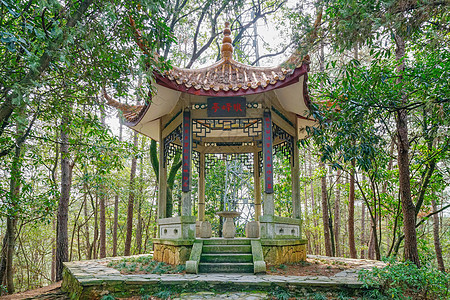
(227, 109)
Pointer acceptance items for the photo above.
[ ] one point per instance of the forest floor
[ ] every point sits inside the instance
(49, 292)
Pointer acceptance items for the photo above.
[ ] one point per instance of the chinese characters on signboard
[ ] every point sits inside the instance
(186, 148)
(226, 107)
(267, 152)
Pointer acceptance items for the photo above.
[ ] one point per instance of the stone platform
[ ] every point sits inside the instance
(93, 279)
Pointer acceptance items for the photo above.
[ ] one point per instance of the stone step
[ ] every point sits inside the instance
(225, 268)
(227, 258)
(226, 241)
(227, 249)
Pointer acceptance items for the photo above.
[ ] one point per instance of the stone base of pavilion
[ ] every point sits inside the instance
(280, 240)
(93, 279)
(275, 251)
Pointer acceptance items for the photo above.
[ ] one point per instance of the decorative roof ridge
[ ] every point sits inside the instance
(227, 75)
(130, 112)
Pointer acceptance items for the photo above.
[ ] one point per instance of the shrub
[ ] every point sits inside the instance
(404, 280)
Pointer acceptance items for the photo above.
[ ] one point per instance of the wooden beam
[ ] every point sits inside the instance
(227, 149)
(283, 124)
(203, 114)
(171, 127)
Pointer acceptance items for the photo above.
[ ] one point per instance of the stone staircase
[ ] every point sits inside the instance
(226, 256)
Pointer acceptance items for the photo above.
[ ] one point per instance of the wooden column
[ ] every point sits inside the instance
(257, 185)
(295, 173)
(186, 177)
(162, 180)
(269, 208)
(201, 188)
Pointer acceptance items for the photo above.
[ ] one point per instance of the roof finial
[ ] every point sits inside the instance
(227, 47)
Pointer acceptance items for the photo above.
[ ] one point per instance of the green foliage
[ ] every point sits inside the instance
(145, 264)
(404, 280)
(165, 294)
(280, 293)
(108, 297)
(318, 296)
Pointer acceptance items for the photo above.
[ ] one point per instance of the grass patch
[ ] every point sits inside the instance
(145, 265)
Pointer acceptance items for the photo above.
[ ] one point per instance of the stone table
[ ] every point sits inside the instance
(229, 229)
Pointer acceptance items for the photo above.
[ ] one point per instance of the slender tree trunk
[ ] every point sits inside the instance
(408, 208)
(3, 260)
(330, 217)
(131, 197)
(62, 243)
(325, 216)
(94, 202)
(86, 223)
(313, 206)
(103, 222)
(11, 225)
(139, 203)
(337, 220)
(103, 207)
(351, 213)
(9, 240)
(116, 205)
(363, 229)
(437, 242)
(53, 271)
(371, 251)
(115, 225)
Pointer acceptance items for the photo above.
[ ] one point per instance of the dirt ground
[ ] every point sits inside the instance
(50, 292)
(311, 267)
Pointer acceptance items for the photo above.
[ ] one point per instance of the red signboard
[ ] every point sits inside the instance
(267, 152)
(227, 107)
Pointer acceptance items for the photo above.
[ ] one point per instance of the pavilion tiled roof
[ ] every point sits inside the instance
(226, 77)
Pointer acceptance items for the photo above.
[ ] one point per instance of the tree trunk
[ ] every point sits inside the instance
(325, 216)
(86, 224)
(115, 225)
(337, 220)
(351, 213)
(408, 208)
(139, 203)
(116, 205)
(437, 242)
(62, 243)
(11, 225)
(363, 229)
(131, 197)
(95, 240)
(53, 267)
(103, 222)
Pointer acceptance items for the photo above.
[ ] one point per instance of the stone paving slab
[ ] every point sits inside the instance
(95, 276)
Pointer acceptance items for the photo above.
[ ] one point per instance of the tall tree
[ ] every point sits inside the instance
(351, 213)
(131, 197)
(437, 241)
(337, 213)
(399, 23)
(62, 243)
(325, 216)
